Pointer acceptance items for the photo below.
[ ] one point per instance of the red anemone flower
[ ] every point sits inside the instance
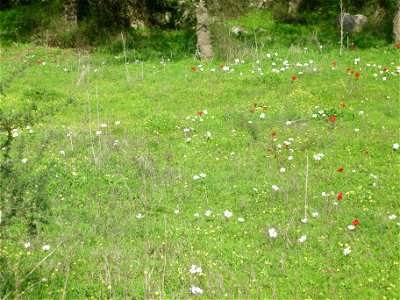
(340, 196)
(273, 133)
(332, 118)
(251, 110)
(294, 78)
(194, 69)
(398, 46)
(340, 170)
(333, 64)
(343, 104)
(38, 62)
(355, 222)
(255, 104)
(200, 113)
(357, 75)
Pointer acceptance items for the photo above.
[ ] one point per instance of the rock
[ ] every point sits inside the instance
(352, 23)
(237, 30)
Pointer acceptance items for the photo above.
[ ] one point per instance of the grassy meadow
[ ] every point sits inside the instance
(273, 175)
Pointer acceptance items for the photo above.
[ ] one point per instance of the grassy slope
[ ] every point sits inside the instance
(109, 252)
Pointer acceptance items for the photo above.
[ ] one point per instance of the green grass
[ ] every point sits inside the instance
(88, 199)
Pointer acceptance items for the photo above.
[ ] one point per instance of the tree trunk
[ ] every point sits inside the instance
(293, 8)
(204, 44)
(70, 13)
(396, 24)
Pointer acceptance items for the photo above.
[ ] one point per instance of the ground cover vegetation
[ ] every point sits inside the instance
(268, 172)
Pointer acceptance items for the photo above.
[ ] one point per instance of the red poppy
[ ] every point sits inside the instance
(342, 104)
(333, 64)
(194, 69)
(355, 222)
(251, 110)
(357, 75)
(200, 113)
(385, 69)
(340, 196)
(340, 170)
(255, 104)
(332, 118)
(273, 134)
(294, 78)
(265, 107)
(38, 62)
(398, 46)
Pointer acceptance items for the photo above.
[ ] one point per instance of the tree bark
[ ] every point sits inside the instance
(396, 24)
(70, 13)
(293, 8)
(204, 43)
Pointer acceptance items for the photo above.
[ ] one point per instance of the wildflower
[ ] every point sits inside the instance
(139, 216)
(332, 118)
(315, 214)
(255, 104)
(46, 248)
(346, 251)
(398, 46)
(208, 134)
(275, 187)
(262, 116)
(98, 132)
(195, 269)
(194, 69)
(282, 170)
(273, 133)
(340, 196)
(289, 123)
(252, 110)
(314, 116)
(228, 214)
(290, 158)
(195, 177)
(342, 104)
(196, 290)
(357, 75)
(304, 220)
(396, 147)
(103, 125)
(117, 123)
(27, 245)
(294, 78)
(351, 227)
(62, 152)
(24, 160)
(200, 113)
(272, 233)
(355, 222)
(302, 239)
(318, 156)
(15, 134)
(176, 212)
(333, 64)
(196, 215)
(241, 220)
(340, 170)
(324, 194)
(202, 175)
(392, 217)
(208, 213)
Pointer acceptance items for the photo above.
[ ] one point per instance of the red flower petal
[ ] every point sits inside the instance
(340, 170)
(332, 118)
(355, 222)
(340, 196)
(200, 113)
